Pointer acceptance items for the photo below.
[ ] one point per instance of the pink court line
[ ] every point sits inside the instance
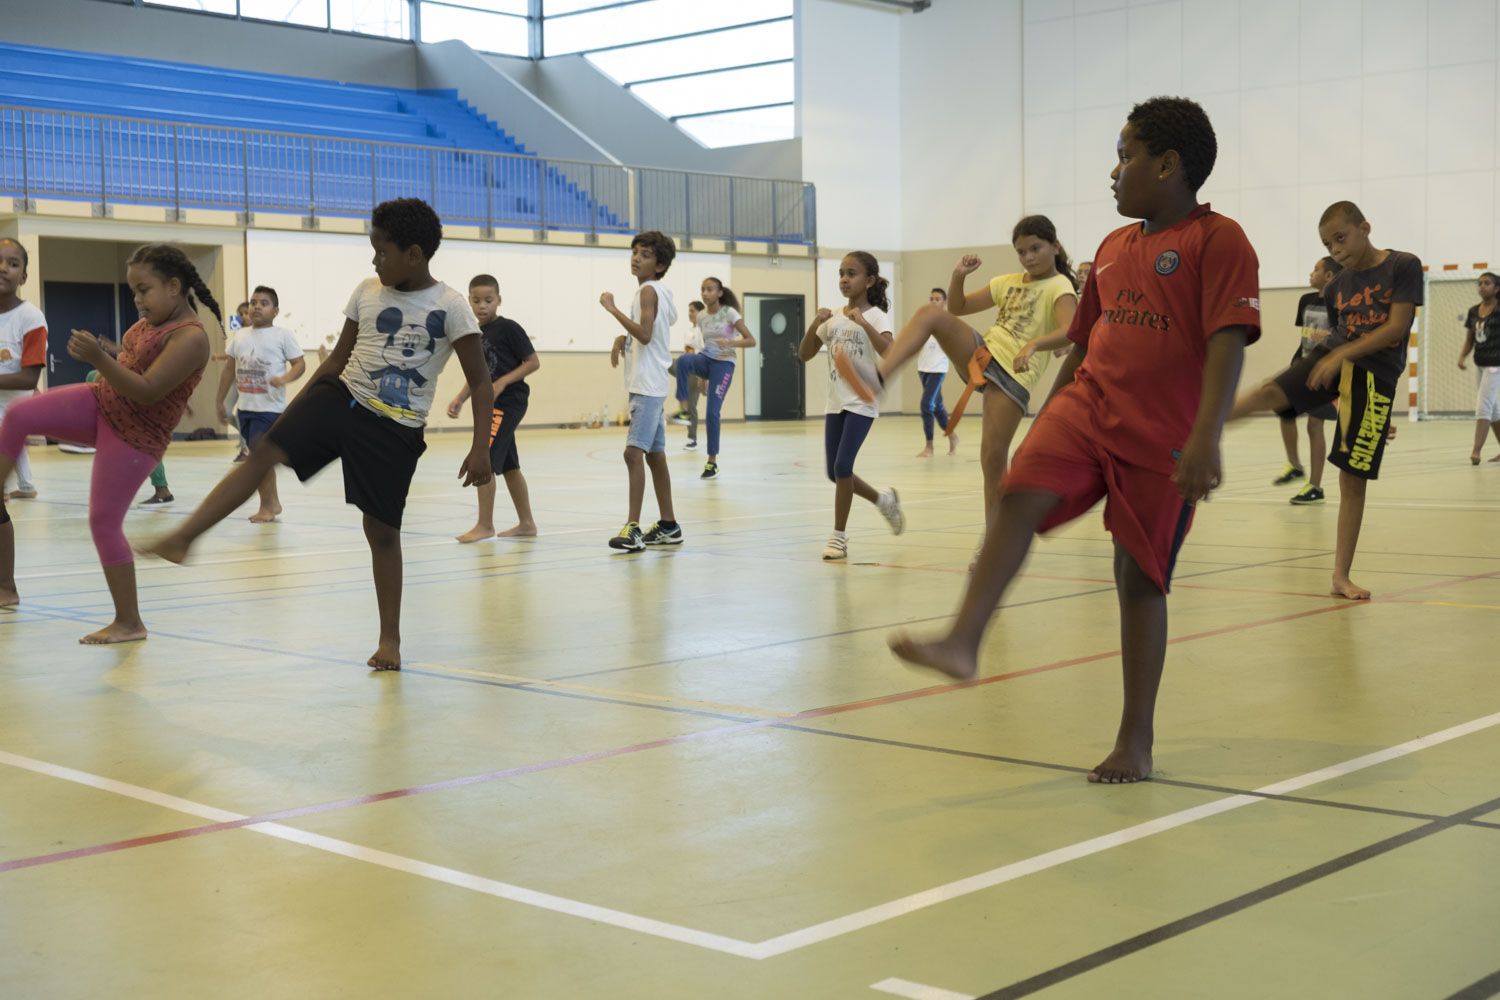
(738, 727)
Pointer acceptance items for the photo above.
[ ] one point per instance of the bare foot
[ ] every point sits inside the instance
(21, 495)
(115, 632)
(9, 597)
(387, 655)
(265, 515)
(1125, 765)
(945, 656)
(1344, 587)
(169, 548)
(519, 531)
(1474, 458)
(952, 443)
(925, 452)
(1495, 459)
(478, 533)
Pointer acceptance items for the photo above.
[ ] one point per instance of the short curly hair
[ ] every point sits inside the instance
(1164, 123)
(660, 245)
(409, 222)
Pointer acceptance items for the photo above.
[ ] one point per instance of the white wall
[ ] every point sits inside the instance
(849, 105)
(552, 291)
(1389, 103)
(961, 124)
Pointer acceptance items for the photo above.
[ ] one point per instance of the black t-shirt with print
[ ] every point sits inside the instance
(1486, 331)
(505, 347)
(1360, 301)
(1312, 314)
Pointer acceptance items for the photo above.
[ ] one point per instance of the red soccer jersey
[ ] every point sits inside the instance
(1145, 317)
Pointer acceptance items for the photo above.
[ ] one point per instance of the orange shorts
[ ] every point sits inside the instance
(1063, 455)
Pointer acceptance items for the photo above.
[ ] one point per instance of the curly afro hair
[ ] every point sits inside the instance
(1164, 123)
(409, 222)
(660, 245)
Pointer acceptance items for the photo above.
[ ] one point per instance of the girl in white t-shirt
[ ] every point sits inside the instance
(722, 332)
(860, 332)
(932, 369)
(23, 350)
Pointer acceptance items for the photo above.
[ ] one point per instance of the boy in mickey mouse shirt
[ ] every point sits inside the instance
(368, 403)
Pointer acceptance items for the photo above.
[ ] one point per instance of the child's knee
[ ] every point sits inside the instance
(381, 535)
(634, 456)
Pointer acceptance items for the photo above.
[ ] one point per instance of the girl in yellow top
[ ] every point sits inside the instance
(1033, 303)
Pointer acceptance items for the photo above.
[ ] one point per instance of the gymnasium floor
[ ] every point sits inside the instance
(698, 772)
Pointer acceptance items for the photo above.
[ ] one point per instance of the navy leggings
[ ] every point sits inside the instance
(718, 374)
(932, 402)
(843, 434)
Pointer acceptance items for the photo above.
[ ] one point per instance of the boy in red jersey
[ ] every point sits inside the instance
(1135, 419)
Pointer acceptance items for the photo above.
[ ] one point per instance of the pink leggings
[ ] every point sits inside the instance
(71, 414)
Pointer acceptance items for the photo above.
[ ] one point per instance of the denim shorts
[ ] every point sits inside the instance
(648, 423)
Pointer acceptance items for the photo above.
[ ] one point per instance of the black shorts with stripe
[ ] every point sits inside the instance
(1364, 411)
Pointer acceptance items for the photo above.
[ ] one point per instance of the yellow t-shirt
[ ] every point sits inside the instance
(1027, 310)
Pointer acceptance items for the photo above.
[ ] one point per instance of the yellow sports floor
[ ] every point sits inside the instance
(698, 772)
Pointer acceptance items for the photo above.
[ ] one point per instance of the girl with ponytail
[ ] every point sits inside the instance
(723, 332)
(1037, 301)
(855, 337)
(127, 416)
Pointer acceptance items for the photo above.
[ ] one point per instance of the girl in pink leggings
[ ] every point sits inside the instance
(127, 416)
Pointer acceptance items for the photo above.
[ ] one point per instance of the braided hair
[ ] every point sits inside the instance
(170, 262)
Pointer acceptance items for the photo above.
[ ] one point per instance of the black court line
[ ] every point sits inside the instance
(1230, 907)
(1155, 778)
(1487, 987)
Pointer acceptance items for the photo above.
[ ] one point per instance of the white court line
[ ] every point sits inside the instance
(395, 862)
(916, 991)
(782, 944)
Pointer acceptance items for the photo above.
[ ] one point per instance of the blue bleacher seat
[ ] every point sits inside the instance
(336, 147)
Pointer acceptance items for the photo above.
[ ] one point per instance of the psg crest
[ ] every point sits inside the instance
(1167, 262)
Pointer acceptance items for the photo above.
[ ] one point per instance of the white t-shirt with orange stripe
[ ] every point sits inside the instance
(23, 344)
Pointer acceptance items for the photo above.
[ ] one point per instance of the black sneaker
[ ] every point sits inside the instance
(710, 470)
(657, 535)
(629, 539)
(1308, 495)
(1289, 474)
(691, 443)
(158, 500)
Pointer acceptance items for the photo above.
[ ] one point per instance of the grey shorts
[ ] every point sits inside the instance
(996, 375)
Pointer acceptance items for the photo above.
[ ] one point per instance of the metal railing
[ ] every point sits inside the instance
(108, 160)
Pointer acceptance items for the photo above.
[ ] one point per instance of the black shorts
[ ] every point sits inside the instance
(379, 455)
(503, 424)
(1326, 411)
(1364, 412)
(253, 426)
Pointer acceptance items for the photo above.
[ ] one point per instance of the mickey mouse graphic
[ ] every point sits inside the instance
(408, 348)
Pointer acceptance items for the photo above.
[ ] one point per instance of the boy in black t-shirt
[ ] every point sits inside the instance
(1371, 305)
(1313, 323)
(509, 353)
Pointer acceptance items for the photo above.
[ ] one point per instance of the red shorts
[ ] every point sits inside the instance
(1063, 455)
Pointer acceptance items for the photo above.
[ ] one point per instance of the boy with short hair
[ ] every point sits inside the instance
(368, 402)
(1312, 318)
(648, 326)
(510, 357)
(1137, 412)
(1371, 304)
(263, 359)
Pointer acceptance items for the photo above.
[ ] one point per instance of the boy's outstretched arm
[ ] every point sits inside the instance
(475, 470)
(1200, 469)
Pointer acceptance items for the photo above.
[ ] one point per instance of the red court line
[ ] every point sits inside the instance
(815, 713)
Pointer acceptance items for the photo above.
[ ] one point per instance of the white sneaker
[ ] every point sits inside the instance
(889, 505)
(837, 548)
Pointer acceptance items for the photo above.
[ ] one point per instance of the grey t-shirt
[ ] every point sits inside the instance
(1360, 301)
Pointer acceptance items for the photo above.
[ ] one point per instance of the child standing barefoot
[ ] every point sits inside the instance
(1137, 413)
(510, 356)
(854, 338)
(127, 416)
(23, 351)
(932, 369)
(367, 404)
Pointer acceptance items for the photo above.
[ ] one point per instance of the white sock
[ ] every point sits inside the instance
(840, 535)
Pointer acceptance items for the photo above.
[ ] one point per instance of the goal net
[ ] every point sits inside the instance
(1444, 391)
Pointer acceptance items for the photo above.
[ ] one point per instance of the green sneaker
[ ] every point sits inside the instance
(629, 539)
(1289, 474)
(1308, 495)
